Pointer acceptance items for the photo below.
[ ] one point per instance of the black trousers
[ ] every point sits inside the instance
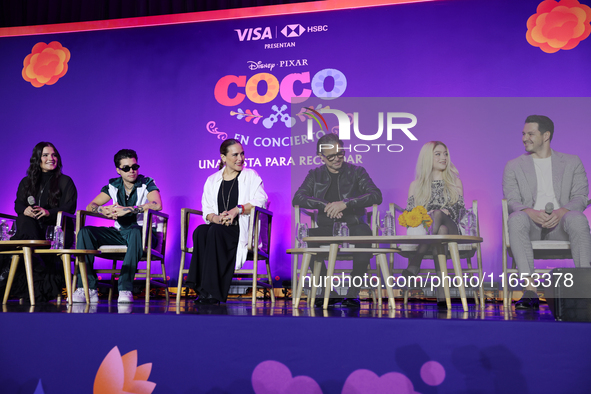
(360, 260)
(213, 260)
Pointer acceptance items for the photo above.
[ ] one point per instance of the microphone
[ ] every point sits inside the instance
(31, 200)
(549, 208)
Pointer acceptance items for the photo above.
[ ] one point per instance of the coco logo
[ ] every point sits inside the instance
(345, 124)
(229, 83)
(254, 34)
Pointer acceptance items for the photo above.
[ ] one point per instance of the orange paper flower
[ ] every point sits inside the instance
(416, 217)
(121, 375)
(558, 25)
(46, 64)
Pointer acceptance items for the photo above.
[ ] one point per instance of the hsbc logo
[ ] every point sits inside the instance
(293, 30)
(297, 30)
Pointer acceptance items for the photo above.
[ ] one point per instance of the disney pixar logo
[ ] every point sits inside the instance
(289, 31)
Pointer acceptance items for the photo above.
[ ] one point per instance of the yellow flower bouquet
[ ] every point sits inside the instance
(415, 218)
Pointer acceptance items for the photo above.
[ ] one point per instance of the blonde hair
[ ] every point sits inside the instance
(423, 178)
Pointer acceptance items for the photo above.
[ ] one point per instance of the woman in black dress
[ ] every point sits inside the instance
(220, 246)
(52, 192)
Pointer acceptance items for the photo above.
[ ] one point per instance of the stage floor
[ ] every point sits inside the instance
(237, 348)
(415, 309)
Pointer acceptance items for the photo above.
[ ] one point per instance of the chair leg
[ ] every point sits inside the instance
(148, 273)
(455, 257)
(82, 267)
(28, 257)
(469, 264)
(333, 249)
(268, 263)
(383, 262)
(254, 280)
(13, 266)
(315, 279)
(441, 258)
(66, 259)
(75, 277)
(376, 293)
(165, 280)
(112, 281)
(303, 271)
(504, 281)
(294, 274)
(180, 282)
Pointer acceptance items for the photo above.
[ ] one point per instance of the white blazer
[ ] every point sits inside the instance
(250, 191)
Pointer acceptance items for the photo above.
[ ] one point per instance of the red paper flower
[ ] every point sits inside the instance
(121, 375)
(558, 25)
(46, 64)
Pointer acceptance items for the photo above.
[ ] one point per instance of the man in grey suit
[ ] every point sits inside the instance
(532, 181)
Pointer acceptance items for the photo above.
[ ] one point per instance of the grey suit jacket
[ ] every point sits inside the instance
(571, 188)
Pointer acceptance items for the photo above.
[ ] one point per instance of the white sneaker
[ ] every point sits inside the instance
(79, 296)
(125, 296)
(124, 308)
(82, 308)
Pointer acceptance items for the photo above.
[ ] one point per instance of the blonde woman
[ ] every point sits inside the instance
(438, 188)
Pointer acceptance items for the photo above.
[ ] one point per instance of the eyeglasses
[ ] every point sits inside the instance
(340, 154)
(134, 167)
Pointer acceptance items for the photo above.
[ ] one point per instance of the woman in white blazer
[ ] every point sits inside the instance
(220, 246)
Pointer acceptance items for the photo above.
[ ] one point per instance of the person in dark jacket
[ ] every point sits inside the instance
(340, 192)
(40, 196)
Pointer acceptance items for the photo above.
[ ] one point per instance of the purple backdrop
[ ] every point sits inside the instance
(160, 90)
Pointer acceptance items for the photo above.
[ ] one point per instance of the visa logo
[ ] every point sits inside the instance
(254, 34)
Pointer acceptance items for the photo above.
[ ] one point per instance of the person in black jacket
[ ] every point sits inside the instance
(340, 192)
(52, 191)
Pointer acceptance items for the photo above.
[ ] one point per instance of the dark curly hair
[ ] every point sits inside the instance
(33, 182)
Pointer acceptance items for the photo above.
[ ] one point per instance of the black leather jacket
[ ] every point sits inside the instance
(355, 188)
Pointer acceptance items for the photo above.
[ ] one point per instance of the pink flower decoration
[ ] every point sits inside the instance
(46, 64)
(273, 377)
(121, 375)
(365, 381)
(559, 25)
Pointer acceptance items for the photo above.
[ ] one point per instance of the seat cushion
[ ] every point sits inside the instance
(413, 248)
(550, 245)
(113, 249)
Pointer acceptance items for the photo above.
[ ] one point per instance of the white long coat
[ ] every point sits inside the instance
(250, 191)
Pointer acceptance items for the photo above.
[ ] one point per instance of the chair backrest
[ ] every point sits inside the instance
(259, 229)
(63, 219)
(157, 222)
(505, 223)
(160, 226)
(5, 216)
(372, 217)
(473, 222)
(297, 213)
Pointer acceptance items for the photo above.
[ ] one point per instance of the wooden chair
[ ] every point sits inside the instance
(467, 252)
(373, 219)
(258, 244)
(61, 220)
(154, 249)
(543, 250)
